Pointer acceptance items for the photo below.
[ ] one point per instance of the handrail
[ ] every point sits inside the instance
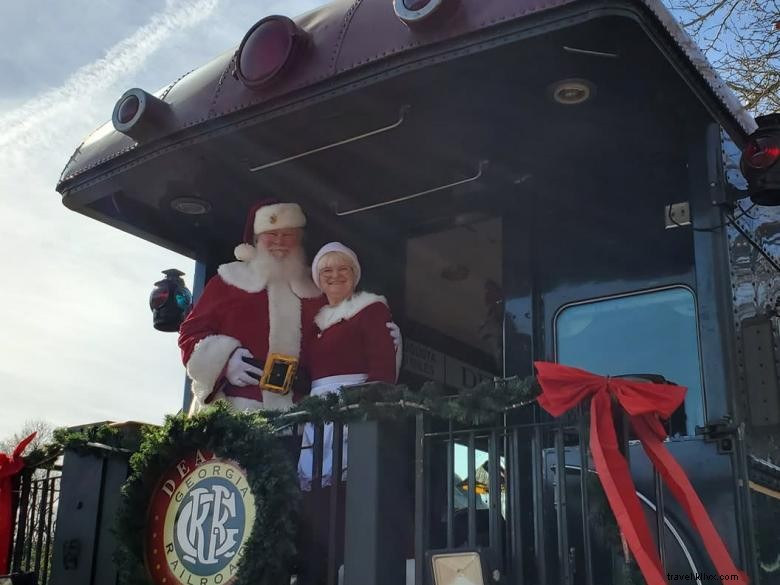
(382, 130)
(475, 177)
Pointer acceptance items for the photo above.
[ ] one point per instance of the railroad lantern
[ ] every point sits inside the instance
(170, 301)
(759, 162)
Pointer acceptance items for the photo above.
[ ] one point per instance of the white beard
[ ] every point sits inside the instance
(263, 269)
(291, 268)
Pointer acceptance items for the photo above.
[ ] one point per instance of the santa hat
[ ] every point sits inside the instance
(327, 249)
(265, 216)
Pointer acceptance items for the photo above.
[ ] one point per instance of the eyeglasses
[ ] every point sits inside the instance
(331, 271)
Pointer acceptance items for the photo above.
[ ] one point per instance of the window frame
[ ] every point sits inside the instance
(559, 311)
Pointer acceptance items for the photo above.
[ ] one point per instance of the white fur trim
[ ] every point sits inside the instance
(278, 216)
(274, 401)
(241, 275)
(238, 403)
(244, 252)
(245, 276)
(284, 319)
(242, 404)
(207, 361)
(195, 406)
(346, 309)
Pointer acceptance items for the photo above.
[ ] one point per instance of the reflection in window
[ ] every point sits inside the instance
(646, 333)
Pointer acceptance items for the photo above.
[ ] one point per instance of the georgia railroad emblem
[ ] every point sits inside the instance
(200, 516)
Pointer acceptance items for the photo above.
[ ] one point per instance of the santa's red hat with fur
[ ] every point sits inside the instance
(266, 216)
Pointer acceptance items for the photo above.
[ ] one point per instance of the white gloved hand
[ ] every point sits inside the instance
(395, 333)
(238, 372)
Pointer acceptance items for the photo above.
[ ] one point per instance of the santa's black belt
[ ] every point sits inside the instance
(248, 392)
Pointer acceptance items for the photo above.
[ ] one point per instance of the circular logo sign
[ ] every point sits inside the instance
(200, 517)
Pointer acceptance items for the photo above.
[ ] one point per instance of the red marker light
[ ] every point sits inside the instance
(266, 49)
(759, 162)
(158, 297)
(761, 153)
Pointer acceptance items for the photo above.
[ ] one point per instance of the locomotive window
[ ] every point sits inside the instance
(646, 333)
(454, 302)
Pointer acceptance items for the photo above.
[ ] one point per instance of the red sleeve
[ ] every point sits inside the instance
(203, 320)
(377, 343)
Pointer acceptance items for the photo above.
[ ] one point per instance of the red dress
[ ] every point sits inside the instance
(351, 345)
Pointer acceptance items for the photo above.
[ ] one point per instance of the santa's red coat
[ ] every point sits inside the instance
(239, 308)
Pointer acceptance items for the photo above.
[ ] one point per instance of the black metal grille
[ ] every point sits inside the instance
(529, 500)
(321, 542)
(36, 497)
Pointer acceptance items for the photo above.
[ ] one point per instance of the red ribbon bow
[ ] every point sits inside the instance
(9, 467)
(564, 387)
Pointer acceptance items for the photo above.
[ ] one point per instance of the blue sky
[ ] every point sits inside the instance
(78, 344)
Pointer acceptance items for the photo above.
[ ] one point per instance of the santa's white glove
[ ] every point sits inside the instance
(395, 333)
(240, 373)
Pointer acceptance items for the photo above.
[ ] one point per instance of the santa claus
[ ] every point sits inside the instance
(249, 309)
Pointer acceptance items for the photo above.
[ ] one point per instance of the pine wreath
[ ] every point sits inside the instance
(249, 440)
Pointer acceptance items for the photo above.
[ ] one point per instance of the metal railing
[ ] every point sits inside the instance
(526, 495)
(321, 537)
(35, 497)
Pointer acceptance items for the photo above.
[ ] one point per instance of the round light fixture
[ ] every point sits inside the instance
(140, 115)
(412, 11)
(190, 205)
(267, 48)
(127, 109)
(571, 92)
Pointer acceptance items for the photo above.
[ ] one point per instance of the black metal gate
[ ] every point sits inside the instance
(35, 500)
(525, 494)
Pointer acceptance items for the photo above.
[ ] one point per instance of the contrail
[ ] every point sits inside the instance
(122, 59)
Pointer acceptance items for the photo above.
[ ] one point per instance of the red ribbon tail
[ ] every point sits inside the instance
(676, 479)
(6, 523)
(619, 488)
(9, 467)
(23, 445)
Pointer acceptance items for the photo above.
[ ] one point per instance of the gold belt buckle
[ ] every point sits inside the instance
(279, 373)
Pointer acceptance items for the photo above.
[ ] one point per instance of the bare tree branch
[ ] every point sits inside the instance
(742, 40)
(44, 430)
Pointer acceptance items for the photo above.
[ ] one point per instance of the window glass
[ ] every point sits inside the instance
(646, 333)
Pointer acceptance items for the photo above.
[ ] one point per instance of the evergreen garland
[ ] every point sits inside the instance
(82, 441)
(246, 438)
(482, 404)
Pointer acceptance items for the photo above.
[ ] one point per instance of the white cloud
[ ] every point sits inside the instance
(20, 125)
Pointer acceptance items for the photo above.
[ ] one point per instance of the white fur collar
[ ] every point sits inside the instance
(245, 276)
(346, 309)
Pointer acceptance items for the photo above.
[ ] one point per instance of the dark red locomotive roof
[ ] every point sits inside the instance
(348, 36)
